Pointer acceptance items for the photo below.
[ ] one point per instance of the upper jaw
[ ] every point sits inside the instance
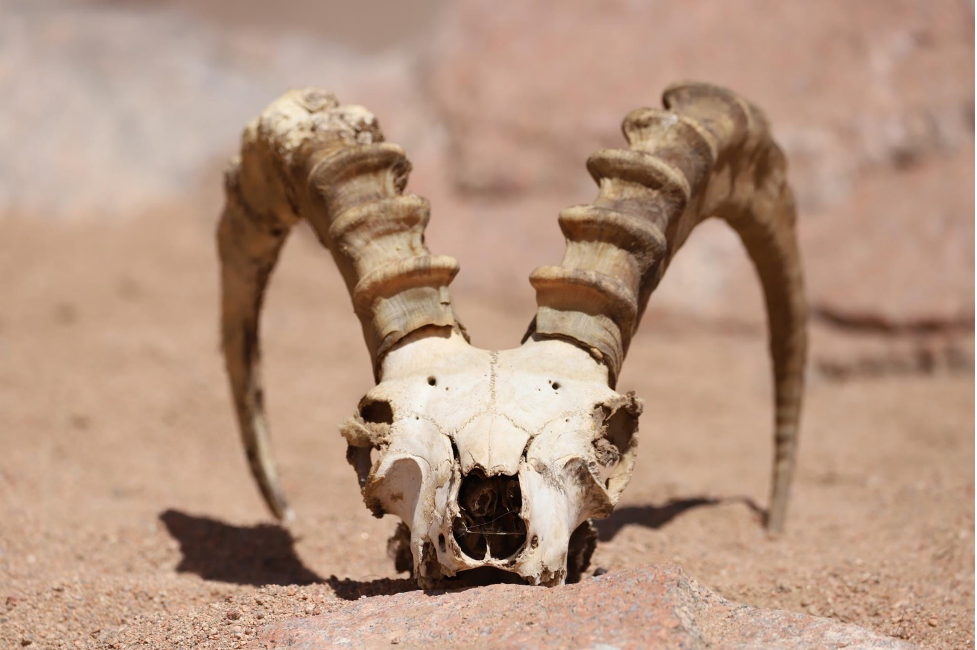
(496, 465)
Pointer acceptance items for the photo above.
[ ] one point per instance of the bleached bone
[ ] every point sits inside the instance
(501, 458)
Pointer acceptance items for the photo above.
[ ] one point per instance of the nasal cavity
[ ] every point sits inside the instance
(490, 525)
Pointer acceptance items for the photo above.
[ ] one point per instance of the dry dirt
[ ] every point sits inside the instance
(128, 518)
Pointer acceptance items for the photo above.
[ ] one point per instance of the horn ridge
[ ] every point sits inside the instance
(708, 153)
(307, 156)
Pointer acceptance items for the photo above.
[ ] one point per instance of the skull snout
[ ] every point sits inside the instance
(489, 524)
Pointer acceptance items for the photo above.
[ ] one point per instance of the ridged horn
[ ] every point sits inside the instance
(307, 156)
(709, 153)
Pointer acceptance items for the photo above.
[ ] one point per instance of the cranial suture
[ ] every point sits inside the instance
(501, 458)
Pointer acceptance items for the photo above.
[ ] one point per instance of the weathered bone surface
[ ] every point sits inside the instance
(493, 458)
(500, 458)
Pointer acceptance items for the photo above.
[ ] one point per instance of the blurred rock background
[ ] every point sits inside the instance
(116, 110)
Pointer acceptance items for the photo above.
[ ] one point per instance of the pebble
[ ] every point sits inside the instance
(933, 622)
(233, 614)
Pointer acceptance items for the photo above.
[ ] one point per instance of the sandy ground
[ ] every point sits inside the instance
(127, 515)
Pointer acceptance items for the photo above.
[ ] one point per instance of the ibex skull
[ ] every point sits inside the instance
(501, 458)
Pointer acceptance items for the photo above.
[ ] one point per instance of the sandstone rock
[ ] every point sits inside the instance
(111, 110)
(873, 103)
(655, 606)
(900, 253)
(891, 273)
(839, 353)
(528, 90)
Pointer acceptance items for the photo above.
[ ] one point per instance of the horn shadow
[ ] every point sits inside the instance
(265, 555)
(243, 555)
(652, 516)
(349, 589)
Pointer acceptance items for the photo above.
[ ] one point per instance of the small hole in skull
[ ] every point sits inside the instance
(489, 523)
(432, 381)
(556, 385)
(441, 544)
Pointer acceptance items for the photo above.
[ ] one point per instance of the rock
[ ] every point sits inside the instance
(528, 90)
(897, 260)
(654, 606)
(890, 274)
(872, 102)
(113, 111)
(839, 353)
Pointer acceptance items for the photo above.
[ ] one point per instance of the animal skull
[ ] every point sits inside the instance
(541, 446)
(501, 458)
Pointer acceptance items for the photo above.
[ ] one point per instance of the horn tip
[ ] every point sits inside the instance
(288, 515)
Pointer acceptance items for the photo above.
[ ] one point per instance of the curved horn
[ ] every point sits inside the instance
(710, 153)
(308, 157)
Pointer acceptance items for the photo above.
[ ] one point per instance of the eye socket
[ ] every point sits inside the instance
(619, 423)
(377, 412)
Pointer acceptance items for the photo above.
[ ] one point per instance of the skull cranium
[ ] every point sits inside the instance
(493, 458)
